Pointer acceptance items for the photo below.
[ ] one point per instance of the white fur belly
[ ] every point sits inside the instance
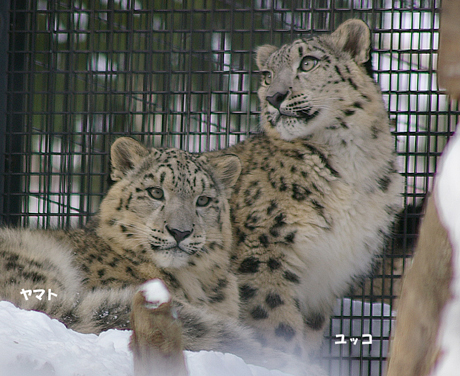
(329, 263)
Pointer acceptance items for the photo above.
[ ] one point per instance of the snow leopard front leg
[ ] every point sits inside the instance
(156, 341)
(268, 288)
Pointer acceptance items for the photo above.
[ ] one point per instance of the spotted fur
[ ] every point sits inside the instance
(319, 188)
(166, 217)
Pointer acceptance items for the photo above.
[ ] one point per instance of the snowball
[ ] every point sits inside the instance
(155, 292)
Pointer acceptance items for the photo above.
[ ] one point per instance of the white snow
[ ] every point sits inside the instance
(447, 196)
(32, 344)
(155, 293)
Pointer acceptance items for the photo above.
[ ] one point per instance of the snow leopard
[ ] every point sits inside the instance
(166, 217)
(319, 188)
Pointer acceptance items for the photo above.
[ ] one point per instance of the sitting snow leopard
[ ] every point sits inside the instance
(166, 217)
(319, 188)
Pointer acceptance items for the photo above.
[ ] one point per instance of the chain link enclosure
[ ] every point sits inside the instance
(75, 75)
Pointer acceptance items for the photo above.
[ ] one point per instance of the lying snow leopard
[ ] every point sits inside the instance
(166, 217)
(319, 188)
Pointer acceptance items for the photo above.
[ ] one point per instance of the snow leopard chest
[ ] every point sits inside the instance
(294, 206)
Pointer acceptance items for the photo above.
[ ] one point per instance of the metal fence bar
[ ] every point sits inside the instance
(4, 21)
(14, 119)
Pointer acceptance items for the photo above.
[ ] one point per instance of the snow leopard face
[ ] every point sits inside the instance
(317, 83)
(169, 205)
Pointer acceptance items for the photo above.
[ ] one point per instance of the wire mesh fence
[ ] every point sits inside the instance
(80, 73)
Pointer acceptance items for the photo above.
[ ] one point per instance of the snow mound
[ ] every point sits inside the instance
(32, 344)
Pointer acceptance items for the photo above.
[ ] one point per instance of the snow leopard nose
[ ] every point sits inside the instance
(276, 99)
(177, 234)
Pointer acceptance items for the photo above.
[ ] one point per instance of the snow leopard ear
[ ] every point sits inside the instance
(125, 154)
(227, 168)
(354, 37)
(263, 53)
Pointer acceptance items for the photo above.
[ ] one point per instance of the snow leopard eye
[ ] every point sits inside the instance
(155, 193)
(308, 63)
(267, 77)
(203, 201)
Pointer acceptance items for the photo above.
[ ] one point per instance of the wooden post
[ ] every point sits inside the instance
(449, 48)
